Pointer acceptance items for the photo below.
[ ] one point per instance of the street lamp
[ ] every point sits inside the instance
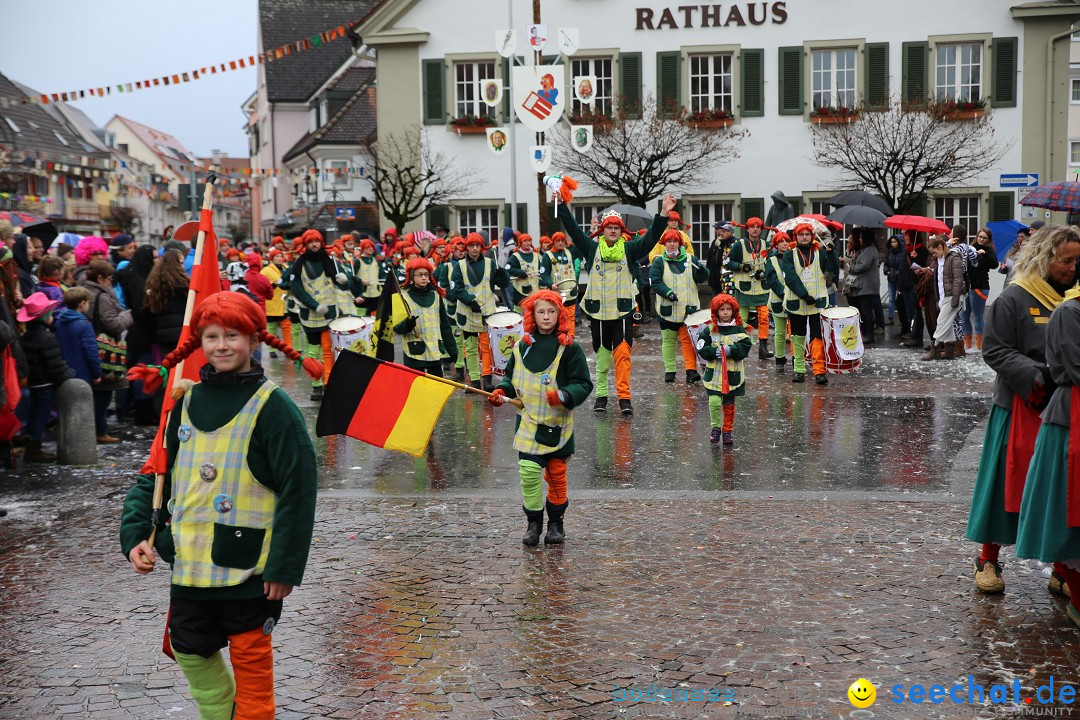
(308, 196)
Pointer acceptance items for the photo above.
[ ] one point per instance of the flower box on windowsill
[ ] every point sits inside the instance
(965, 114)
(711, 124)
(470, 129)
(836, 119)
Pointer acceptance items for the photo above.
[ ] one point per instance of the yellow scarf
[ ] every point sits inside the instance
(1040, 290)
(1073, 294)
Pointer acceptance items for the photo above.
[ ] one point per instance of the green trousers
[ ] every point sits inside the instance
(210, 683)
(780, 337)
(604, 361)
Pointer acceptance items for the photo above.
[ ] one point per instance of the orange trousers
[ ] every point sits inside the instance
(762, 319)
(621, 358)
(555, 474)
(252, 657)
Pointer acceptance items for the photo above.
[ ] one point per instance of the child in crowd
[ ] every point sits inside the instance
(724, 345)
(548, 372)
(47, 370)
(240, 497)
(78, 343)
(50, 272)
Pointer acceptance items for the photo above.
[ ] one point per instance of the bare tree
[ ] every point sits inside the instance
(408, 175)
(125, 219)
(637, 156)
(905, 150)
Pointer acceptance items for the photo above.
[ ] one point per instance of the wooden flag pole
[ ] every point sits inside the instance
(446, 381)
(159, 478)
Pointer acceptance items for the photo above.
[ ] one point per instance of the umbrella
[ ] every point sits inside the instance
(860, 197)
(862, 215)
(633, 217)
(917, 223)
(1004, 232)
(65, 237)
(1060, 196)
(789, 225)
(831, 224)
(19, 219)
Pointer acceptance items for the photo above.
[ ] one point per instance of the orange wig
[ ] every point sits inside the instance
(562, 328)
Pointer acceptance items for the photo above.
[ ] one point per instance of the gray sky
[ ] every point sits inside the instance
(62, 45)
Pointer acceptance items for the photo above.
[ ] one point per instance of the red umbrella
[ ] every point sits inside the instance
(917, 223)
(1060, 196)
(18, 218)
(831, 224)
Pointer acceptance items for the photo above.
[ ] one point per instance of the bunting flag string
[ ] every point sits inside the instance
(269, 56)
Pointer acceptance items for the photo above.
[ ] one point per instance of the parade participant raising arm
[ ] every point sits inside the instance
(548, 373)
(427, 337)
(805, 267)
(674, 276)
(240, 491)
(608, 301)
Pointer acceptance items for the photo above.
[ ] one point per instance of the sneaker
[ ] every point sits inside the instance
(316, 393)
(600, 405)
(821, 379)
(107, 440)
(1056, 584)
(714, 435)
(692, 376)
(988, 577)
(669, 377)
(729, 437)
(798, 377)
(625, 407)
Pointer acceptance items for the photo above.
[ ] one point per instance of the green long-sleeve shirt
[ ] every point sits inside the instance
(280, 457)
(636, 248)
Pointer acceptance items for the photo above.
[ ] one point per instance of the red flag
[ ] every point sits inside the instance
(205, 281)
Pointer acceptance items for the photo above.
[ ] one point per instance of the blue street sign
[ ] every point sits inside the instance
(1019, 180)
(345, 213)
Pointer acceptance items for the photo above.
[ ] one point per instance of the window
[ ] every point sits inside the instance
(710, 83)
(962, 210)
(339, 173)
(475, 219)
(833, 78)
(601, 68)
(313, 118)
(1075, 92)
(264, 184)
(702, 217)
(1074, 152)
(584, 214)
(467, 77)
(959, 72)
(12, 125)
(324, 112)
(60, 137)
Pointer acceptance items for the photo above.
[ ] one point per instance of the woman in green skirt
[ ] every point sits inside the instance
(1050, 513)
(1014, 347)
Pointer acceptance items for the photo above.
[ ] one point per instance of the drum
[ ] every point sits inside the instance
(842, 333)
(504, 331)
(695, 323)
(352, 333)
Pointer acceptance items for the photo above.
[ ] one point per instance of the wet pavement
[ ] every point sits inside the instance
(826, 546)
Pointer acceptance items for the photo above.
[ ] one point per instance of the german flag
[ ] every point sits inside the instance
(382, 403)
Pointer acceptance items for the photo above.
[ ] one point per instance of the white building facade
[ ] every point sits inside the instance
(768, 64)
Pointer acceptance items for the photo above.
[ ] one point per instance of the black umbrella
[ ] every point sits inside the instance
(860, 197)
(44, 231)
(858, 215)
(633, 217)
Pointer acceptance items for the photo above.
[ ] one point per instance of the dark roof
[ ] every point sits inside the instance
(353, 124)
(40, 138)
(295, 77)
(354, 78)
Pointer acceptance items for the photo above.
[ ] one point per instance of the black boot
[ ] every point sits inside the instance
(459, 374)
(798, 377)
(601, 404)
(625, 407)
(669, 377)
(692, 376)
(555, 533)
(475, 384)
(763, 351)
(536, 526)
(488, 385)
(781, 363)
(316, 393)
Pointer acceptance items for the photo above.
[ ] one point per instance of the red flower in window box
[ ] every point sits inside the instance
(833, 115)
(471, 124)
(709, 119)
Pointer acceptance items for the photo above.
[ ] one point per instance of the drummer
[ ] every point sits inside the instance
(455, 247)
(746, 260)
(427, 337)
(371, 275)
(523, 267)
(474, 282)
(609, 298)
(806, 295)
(674, 276)
(774, 280)
(562, 265)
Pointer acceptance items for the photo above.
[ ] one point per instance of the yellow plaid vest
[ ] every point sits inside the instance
(562, 269)
(542, 429)
(368, 271)
(776, 302)
(322, 291)
(610, 292)
(222, 518)
(425, 341)
(814, 280)
(527, 285)
(473, 321)
(745, 281)
(345, 303)
(684, 287)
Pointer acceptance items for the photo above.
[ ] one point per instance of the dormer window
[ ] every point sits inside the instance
(313, 118)
(324, 111)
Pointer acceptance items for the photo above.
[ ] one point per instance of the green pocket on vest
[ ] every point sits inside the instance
(236, 547)
(592, 306)
(745, 286)
(417, 347)
(624, 305)
(792, 305)
(548, 435)
(708, 374)
(665, 309)
(461, 320)
(526, 289)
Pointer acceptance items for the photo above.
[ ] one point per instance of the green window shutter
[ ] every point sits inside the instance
(437, 216)
(1003, 52)
(667, 83)
(916, 61)
(752, 71)
(796, 204)
(506, 215)
(791, 81)
(877, 75)
(630, 83)
(752, 207)
(523, 217)
(434, 80)
(1002, 206)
